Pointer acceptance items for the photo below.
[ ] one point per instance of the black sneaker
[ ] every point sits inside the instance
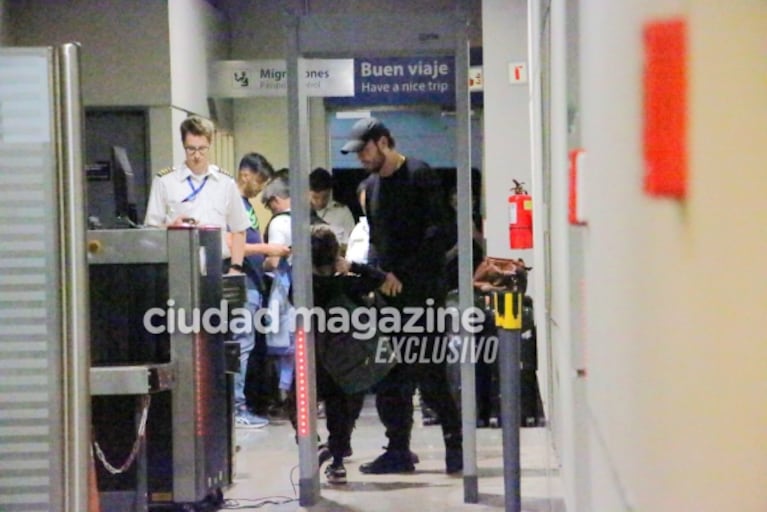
(390, 461)
(323, 454)
(453, 461)
(336, 474)
(413, 456)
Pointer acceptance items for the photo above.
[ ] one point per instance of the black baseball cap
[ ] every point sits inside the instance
(364, 130)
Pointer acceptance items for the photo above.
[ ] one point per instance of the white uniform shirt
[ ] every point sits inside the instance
(359, 242)
(340, 218)
(211, 199)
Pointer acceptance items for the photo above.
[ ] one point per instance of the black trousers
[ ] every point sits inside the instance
(261, 389)
(394, 399)
(341, 411)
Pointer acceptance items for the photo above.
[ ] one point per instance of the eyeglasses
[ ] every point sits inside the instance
(190, 150)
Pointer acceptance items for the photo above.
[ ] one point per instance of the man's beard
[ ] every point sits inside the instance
(375, 165)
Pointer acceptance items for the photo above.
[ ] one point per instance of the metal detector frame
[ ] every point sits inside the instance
(390, 35)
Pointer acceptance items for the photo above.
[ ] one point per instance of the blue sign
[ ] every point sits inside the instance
(402, 81)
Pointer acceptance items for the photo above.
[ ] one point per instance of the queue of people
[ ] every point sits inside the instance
(395, 252)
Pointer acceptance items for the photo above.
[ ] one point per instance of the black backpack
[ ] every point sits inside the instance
(351, 362)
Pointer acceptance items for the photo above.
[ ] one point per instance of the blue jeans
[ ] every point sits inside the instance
(247, 341)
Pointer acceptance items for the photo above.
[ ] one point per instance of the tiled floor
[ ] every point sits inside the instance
(267, 472)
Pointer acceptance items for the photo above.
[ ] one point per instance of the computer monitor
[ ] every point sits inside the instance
(124, 184)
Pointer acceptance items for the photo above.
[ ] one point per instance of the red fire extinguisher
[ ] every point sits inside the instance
(520, 218)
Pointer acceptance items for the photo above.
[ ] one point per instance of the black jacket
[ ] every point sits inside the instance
(408, 218)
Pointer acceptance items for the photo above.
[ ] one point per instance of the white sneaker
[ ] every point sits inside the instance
(246, 419)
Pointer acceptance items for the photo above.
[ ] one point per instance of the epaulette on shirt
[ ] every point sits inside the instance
(225, 172)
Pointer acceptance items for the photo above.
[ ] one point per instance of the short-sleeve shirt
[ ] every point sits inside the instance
(210, 199)
(279, 232)
(255, 267)
(340, 218)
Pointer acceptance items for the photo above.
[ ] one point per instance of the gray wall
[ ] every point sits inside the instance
(125, 56)
(5, 37)
(672, 405)
(257, 25)
(509, 133)
(565, 253)
(506, 116)
(198, 34)
(675, 289)
(136, 53)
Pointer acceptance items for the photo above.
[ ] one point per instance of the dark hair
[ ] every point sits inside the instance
(379, 131)
(257, 163)
(197, 125)
(324, 246)
(320, 179)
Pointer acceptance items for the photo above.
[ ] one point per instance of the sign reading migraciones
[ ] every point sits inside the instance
(244, 79)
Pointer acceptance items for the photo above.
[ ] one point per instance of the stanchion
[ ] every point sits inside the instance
(508, 319)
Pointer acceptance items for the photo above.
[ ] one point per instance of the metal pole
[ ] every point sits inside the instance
(508, 353)
(306, 393)
(465, 255)
(509, 316)
(75, 293)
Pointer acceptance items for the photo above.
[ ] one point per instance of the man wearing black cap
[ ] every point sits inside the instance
(407, 216)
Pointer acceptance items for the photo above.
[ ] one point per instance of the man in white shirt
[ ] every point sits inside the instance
(280, 341)
(276, 198)
(199, 193)
(338, 215)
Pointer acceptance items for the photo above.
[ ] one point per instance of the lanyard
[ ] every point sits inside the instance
(195, 190)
